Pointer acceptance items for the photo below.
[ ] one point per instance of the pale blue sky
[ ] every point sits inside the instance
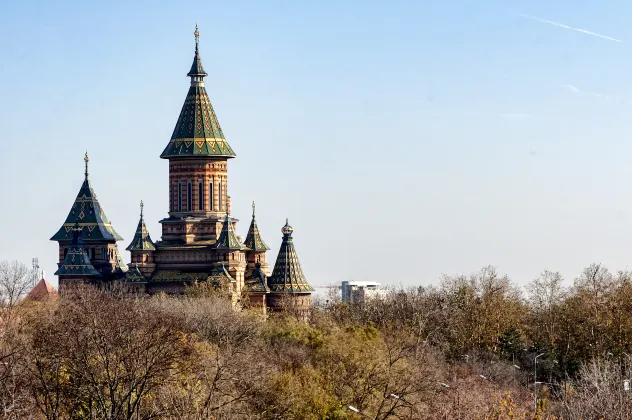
(402, 139)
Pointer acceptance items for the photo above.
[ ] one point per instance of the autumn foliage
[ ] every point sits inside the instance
(464, 349)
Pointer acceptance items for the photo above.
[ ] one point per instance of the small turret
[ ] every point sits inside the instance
(142, 248)
(257, 246)
(288, 285)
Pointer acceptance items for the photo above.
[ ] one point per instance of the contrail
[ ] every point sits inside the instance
(561, 25)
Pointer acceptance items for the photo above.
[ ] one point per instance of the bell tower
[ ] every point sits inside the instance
(198, 156)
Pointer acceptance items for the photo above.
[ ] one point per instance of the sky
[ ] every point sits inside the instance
(404, 140)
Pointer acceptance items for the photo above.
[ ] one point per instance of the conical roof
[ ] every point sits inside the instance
(42, 290)
(197, 132)
(142, 241)
(287, 276)
(254, 241)
(77, 262)
(227, 239)
(86, 212)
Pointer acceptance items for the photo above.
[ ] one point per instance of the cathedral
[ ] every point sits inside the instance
(199, 241)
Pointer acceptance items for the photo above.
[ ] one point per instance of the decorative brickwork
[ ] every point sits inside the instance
(199, 241)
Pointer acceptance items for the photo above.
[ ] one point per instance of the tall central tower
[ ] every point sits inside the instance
(198, 157)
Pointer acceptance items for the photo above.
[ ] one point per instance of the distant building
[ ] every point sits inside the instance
(43, 290)
(199, 241)
(359, 291)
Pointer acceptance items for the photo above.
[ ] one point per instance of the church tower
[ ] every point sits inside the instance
(87, 228)
(142, 248)
(199, 204)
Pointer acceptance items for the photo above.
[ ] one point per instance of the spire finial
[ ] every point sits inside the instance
(197, 37)
(253, 209)
(141, 208)
(86, 160)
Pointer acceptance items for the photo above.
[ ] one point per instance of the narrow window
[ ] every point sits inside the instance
(170, 196)
(189, 197)
(219, 201)
(200, 196)
(179, 196)
(210, 195)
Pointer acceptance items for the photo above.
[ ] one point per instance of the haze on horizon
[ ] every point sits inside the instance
(402, 140)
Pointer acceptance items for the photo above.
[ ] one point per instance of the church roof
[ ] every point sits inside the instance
(87, 214)
(227, 239)
(134, 275)
(77, 262)
(256, 281)
(287, 275)
(42, 290)
(254, 241)
(219, 275)
(142, 241)
(197, 132)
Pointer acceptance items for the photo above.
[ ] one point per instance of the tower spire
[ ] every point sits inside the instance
(254, 241)
(197, 38)
(86, 160)
(141, 208)
(197, 72)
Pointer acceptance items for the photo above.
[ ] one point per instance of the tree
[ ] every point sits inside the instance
(16, 279)
(101, 356)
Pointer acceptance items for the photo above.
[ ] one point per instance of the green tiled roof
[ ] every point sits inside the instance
(134, 275)
(227, 239)
(254, 241)
(178, 276)
(86, 212)
(220, 274)
(197, 132)
(287, 276)
(256, 281)
(77, 262)
(142, 241)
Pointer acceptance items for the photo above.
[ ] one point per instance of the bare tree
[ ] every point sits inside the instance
(16, 279)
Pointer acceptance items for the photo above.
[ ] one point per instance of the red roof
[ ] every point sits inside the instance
(41, 291)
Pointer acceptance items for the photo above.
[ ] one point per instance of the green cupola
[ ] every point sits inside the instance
(227, 239)
(254, 241)
(87, 215)
(287, 276)
(142, 241)
(197, 132)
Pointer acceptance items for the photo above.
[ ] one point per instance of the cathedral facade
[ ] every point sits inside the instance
(199, 241)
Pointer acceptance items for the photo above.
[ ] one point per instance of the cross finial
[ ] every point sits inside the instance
(141, 208)
(197, 37)
(86, 160)
(253, 209)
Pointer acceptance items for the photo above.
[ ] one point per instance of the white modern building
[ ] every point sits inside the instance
(359, 291)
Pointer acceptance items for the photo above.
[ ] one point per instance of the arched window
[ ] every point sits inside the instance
(219, 192)
(189, 197)
(170, 196)
(179, 196)
(200, 196)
